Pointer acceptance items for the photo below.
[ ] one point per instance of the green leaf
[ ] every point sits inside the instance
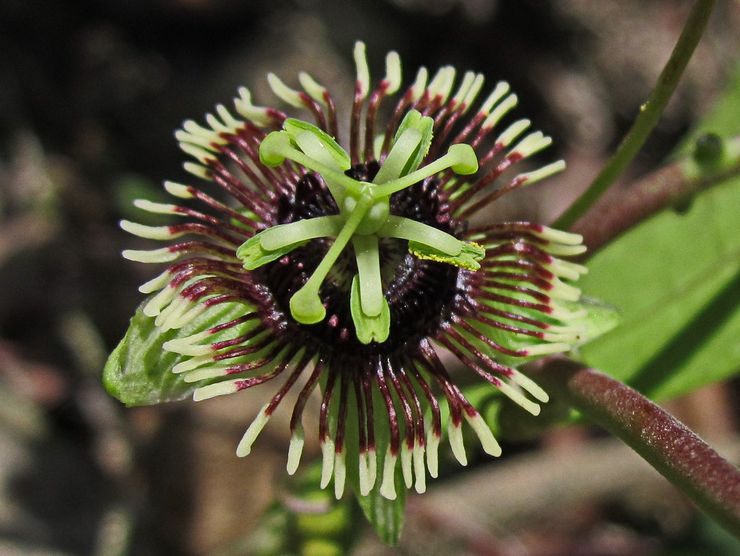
(386, 516)
(599, 318)
(138, 372)
(676, 279)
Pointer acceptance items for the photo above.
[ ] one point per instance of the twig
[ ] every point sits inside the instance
(617, 211)
(667, 444)
(649, 115)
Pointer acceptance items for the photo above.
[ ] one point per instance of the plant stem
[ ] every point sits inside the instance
(649, 115)
(618, 211)
(664, 442)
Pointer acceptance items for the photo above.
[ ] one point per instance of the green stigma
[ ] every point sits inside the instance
(364, 217)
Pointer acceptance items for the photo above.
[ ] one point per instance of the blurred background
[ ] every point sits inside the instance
(90, 94)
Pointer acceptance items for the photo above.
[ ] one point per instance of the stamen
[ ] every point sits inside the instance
(412, 230)
(317, 144)
(367, 256)
(282, 235)
(305, 304)
(460, 158)
(276, 148)
(398, 160)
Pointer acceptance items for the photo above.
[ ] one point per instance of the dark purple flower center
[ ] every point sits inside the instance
(422, 294)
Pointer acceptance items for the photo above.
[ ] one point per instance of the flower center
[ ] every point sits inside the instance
(364, 218)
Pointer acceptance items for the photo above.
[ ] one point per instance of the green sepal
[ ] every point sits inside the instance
(369, 329)
(138, 372)
(253, 255)
(594, 319)
(468, 258)
(386, 516)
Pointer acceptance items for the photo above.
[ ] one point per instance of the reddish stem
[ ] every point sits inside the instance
(667, 444)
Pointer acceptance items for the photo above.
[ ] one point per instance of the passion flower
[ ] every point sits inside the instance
(351, 268)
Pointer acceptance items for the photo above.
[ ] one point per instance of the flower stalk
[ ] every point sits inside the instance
(667, 444)
(617, 212)
(649, 115)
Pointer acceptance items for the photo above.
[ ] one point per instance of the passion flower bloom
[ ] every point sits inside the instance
(353, 267)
